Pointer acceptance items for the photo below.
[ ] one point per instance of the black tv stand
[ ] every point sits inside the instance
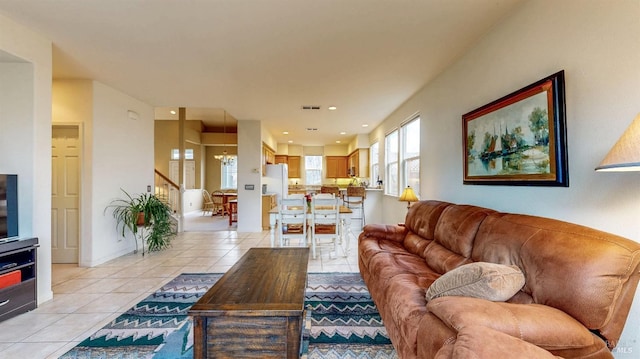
(18, 254)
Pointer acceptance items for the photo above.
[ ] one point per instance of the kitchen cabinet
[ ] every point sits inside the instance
(359, 163)
(268, 158)
(294, 166)
(268, 201)
(281, 159)
(337, 166)
(293, 162)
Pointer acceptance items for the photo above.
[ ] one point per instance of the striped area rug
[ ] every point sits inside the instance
(342, 322)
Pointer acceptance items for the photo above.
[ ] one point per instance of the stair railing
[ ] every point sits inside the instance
(167, 190)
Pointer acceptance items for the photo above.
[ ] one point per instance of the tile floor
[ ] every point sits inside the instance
(85, 299)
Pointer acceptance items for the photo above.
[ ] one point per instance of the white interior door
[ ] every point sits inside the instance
(65, 194)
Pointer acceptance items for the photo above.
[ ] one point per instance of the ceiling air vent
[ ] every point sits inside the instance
(310, 107)
(312, 129)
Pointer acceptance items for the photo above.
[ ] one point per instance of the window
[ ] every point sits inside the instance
(373, 161)
(410, 154)
(391, 163)
(189, 173)
(313, 170)
(229, 174)
(188, 154)
(402, 158)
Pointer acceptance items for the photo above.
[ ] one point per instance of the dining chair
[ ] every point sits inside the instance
(330, 189)
(292, 216)
(218, 202)
(207, 202)
(325, 222)
(354, 199)
(324, 195)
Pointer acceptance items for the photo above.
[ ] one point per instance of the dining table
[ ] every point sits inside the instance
(344, 229)
(226, 197)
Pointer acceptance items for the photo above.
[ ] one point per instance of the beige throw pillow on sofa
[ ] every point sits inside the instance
(491, 281)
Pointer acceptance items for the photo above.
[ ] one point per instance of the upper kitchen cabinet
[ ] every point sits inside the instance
(268, 158)
(294, 166)
(293, 162)
(337, 166)
(359, 163)
(281, 159)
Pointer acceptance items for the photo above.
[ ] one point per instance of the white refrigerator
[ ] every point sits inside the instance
(277, 180)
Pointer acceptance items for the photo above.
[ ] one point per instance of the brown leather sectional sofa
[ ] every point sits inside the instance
(579, 284)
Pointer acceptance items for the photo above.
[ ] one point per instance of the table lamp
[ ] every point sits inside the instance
(408, 195)
(624, 156)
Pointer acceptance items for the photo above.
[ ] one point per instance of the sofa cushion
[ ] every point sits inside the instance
(589, 274)
(423, 217)
(483, 343)
(541, 325)
(405, 306)
(457, 227)
(489, 281)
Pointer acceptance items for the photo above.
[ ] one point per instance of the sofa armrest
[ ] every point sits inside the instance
(541, 325)
(484, 343)
(384, 231)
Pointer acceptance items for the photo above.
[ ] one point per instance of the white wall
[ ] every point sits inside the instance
(25, 136)
(596, 43)
(250, 136)
(117, 153)
(122, 157)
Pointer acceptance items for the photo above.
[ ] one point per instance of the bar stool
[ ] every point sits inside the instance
(354, 199)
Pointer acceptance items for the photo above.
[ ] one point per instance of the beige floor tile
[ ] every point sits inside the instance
(218, 268)
(108, 303)
(131, 272)
(138, 285)
(162, 272)
(196, 269)
(106, 285)
(74, 285)
(99, 272)
(177, 261)
(65, 272)
(205, 252)
(64, 303)
(24, 325)
(31, 350)
(70, 326)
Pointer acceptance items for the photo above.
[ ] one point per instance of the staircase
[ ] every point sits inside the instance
(168, 192)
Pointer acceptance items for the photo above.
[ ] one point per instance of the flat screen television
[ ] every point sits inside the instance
(8, 206)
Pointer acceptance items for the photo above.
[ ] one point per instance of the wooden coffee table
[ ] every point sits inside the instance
(256, 309)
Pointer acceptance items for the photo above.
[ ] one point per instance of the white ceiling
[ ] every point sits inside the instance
(263, 59)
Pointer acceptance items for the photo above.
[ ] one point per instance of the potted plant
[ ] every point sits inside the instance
(144, 211)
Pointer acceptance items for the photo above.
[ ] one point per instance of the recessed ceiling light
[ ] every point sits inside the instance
(338, 141)
(332, 108)
(343, 133)
(285, 132)
(172, 112)
(365, 125)
(290, 141)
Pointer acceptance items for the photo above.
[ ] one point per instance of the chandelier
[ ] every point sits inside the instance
(224, 157)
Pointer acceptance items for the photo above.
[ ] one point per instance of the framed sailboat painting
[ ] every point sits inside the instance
(519, 139)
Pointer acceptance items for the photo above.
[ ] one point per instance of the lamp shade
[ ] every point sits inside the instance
(625, 154)
(408, 195)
